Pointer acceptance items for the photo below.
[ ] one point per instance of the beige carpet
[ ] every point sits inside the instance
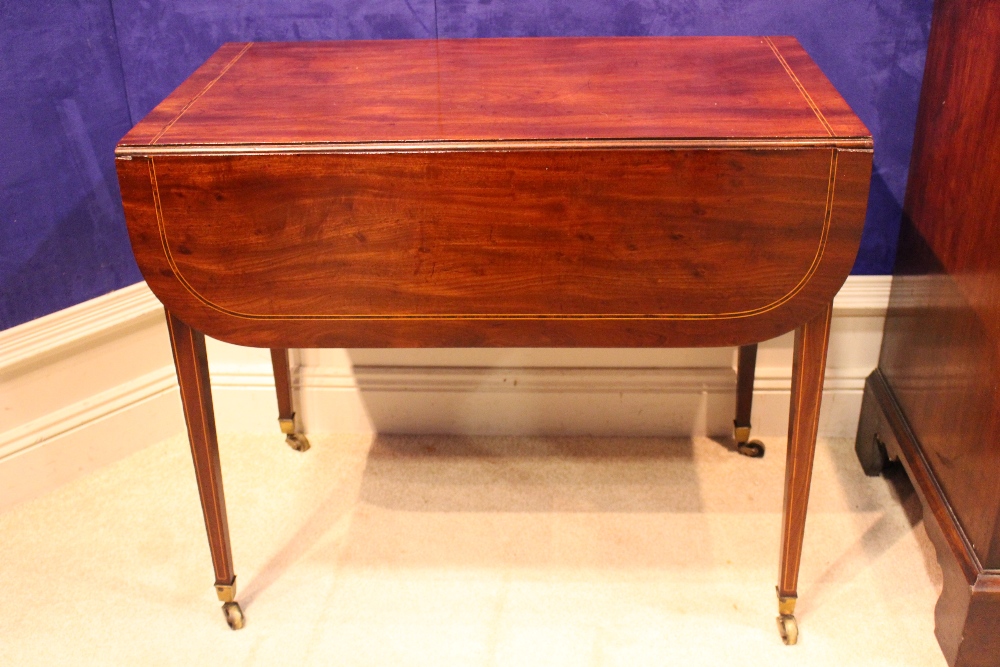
(468, 551)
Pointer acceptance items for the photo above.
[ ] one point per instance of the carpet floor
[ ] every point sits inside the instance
(421, 550)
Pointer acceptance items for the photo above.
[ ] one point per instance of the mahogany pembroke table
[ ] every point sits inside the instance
(552, 192)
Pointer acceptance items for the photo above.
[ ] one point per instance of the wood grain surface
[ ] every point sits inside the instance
(499, 248)
(936, 390)
(558, 233)
(501, 89)
(808, 368)
(942, 351)
(563, 191)
(191, 362)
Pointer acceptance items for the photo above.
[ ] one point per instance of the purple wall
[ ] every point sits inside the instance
(76, 75)
(62, 109)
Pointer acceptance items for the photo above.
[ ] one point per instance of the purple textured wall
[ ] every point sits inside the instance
(62, 109)
(76, 74)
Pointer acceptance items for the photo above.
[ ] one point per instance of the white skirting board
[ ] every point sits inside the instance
(85, 386)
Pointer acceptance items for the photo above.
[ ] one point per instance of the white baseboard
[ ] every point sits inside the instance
(82, 388)
(88, 385)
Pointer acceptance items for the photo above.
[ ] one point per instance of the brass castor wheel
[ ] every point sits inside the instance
(754, 449)
(297, 441)
(233, 614)
(789, 629)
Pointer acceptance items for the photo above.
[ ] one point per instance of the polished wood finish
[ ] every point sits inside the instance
(514, 192)
(808, 367)
(606, 192)
(948, 269)
(286, 405)
(191, 363)
(967, 612)
(501, 89)
(283, 383)
(659, 259)
(746, 365)
(935, 402)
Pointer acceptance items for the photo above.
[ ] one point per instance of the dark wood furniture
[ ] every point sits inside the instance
(509, 192)
(934, 401)
(286, 410)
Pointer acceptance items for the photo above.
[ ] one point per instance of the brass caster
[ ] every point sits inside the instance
(297, 441)
(233, 614)
(754, 449)
(789, 629)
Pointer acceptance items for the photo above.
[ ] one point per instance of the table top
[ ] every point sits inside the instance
(499, 192)
(762, 89)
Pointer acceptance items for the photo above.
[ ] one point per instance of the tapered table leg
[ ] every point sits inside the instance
(745, 368)
(196, 396)
(809, 365)
(286, 410)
